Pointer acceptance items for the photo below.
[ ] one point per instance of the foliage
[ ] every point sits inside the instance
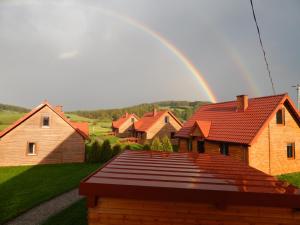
(166, 144)
(292, 178)
(93, 152)
(156, 145)
(182, 109)
(28, 186)
(74, 214)
(146, 146)
(116, 150)
(106, 151)
(127, 147)
(5, 107)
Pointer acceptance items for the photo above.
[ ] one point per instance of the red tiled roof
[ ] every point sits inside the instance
(150, 118)
(118, 123)
(189, 177)
(34, 111)
(203, 126)
(82, 127)
(230, 125)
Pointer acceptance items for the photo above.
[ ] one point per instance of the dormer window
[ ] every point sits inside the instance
(280, 116)
(166, 119)
(45, 121)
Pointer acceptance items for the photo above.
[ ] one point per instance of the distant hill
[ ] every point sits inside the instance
(182, 109)
(5, 107)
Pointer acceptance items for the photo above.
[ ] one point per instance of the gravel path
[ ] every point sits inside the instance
(47, 209)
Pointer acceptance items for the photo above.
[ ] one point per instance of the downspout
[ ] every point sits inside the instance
(269, 137)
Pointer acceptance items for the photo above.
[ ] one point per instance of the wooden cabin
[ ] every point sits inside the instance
(157, 124)
(262, 132)
(123, 127)
(142, 187)
(43, 136)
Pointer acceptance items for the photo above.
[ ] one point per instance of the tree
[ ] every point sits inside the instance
(146, 146)
(116, 150)
(166, 144)
(156, 145)
(106, 151)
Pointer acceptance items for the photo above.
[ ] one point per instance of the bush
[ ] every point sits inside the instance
(147, 147)
(156, 145)
(93, 152)
(166, 144)
(116, 150)
(127, 147)
(106, 151)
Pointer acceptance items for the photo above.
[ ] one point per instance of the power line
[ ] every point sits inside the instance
(262, 47)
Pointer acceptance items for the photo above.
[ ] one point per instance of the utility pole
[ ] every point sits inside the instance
(298, 95)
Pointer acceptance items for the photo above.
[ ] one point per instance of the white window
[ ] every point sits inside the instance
(45, 121)
(31, 148)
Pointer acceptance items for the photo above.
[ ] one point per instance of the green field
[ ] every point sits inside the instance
(8, 117)
(24, 187)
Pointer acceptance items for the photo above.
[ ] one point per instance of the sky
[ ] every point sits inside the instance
(116, 53)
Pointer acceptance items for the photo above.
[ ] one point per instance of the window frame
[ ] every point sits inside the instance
(167, 119)
(292, 145)
(28, 148)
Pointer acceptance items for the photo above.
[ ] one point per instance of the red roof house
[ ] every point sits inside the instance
(123, 127)
(156, 124)
(263, 132)
(142, 187)
(43, 135)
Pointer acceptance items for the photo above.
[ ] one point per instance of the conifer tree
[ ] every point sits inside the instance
(156, 145)
(166, 144)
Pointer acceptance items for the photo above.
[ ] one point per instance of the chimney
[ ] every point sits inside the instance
(58, 109)
(242, 102)
(154, 111)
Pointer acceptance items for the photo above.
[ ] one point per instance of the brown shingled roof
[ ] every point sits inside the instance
(187, 177)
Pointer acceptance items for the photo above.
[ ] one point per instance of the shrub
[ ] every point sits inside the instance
(166, 144)
(93, 152)
(127, 147)
(156, 145)
(147, 147)
(116, 150)
(106, 151)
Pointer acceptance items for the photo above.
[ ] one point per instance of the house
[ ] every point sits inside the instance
(156, 124)
(43, 136)
(186, 188)
(262, 132)
(123, 127)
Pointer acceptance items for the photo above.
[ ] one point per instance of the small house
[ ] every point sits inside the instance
(43, 136)
(263, 132)
(156, 124)
(123, 127)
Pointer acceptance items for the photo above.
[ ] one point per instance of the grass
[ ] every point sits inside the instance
(292, 178)
(75, 214)
(8, 117)
(24, 187)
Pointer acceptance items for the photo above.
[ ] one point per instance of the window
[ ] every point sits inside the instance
(190, 144)
(166, 119)
(132, 120)
(172, 135)
(290, 150)
(224, 149)
(280, 116)
(31, 148)
(200, 146)
(45, 121)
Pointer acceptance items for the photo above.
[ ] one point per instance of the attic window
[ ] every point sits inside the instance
(290, 150)
(132, 120)
(31, 148)
(280, 116)
(45, 121)
(166, 119)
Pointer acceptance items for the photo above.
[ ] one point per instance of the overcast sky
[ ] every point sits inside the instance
(91, 54)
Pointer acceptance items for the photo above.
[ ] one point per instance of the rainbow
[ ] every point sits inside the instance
(169, 45)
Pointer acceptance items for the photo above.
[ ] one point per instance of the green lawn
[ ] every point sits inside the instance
(292, 178)
(8, 117)
(75, 214)
(24, 187)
